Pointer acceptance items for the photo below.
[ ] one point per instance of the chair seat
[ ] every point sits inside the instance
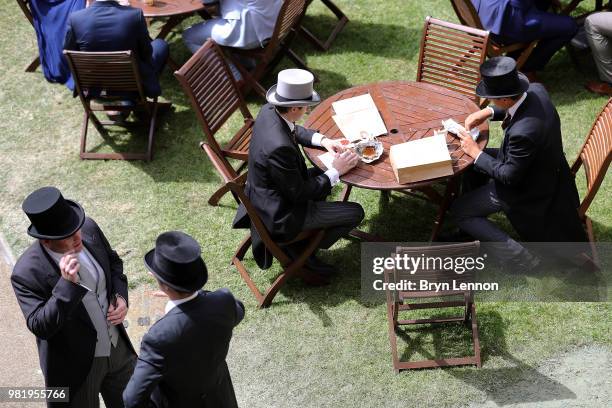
(238, 147)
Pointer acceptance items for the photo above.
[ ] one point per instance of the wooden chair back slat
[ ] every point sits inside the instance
(110, 71)
(208, 82)
(288, 18)
(403, 301)
(451, 56)
(211, 88)
(596, 155)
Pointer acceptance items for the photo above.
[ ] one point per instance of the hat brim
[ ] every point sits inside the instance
(33, 232)
(277, 100)
(197, 285)
(484, 92)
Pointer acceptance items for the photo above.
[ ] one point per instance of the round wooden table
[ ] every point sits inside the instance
(174, 10)
(411, 111)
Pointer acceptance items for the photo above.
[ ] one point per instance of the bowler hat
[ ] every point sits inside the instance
(52, 216)
(500, 79)
(294, 87)
(176, 261)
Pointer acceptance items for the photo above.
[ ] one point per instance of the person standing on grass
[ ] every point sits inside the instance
(182, 357)
(527, 177)
(74, 296)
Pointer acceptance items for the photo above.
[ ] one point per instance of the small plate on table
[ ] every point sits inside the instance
(369, 150)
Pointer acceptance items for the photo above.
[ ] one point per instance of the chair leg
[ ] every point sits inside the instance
(33, 65)
(451, 186)
(475, 335)
(591, 236)
(342, 20)
(84, 134)
(217, 195)
(152, 131)
(243, 247)
(247, 279)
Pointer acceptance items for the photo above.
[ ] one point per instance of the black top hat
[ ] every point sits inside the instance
(500, 79)
(176, 261)
(52, 216)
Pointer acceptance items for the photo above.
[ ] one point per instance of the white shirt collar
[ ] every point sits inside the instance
(512, 110)
(290, 124)
(173, 303)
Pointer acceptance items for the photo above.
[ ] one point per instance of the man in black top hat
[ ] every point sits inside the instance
(288, 196)
(73, 293)
(527, 177)
(182, 357)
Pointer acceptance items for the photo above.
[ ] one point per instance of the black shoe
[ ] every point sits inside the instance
(525, 263)
(315, 264)
(313, 278)
(454, 236)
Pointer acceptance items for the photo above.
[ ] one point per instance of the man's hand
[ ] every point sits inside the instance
(475, 119)
(69, 267)
(345, 161)
(117, 314)
(469, 146)
(333, 146)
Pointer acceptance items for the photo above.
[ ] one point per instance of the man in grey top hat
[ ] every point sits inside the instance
(288, 196)
(73, 294)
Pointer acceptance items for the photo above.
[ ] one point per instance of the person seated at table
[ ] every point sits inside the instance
(288, 196)
(523, 21)
(241, 24)
(598, 27)
(527, 177)
(49, 20)
(107, 25)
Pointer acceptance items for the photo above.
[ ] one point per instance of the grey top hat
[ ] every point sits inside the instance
(293, 88)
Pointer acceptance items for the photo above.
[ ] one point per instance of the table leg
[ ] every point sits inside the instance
(449, 194)
(169, 25)
(346, 192)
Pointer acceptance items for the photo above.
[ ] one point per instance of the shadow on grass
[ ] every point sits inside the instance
(492, 329)
(386, 40)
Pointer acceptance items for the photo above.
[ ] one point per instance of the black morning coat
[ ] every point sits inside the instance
(279, 184)
(182, 357)
(531, 173)
(53, 310)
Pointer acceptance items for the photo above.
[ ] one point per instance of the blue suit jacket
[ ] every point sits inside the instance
(108, 26)
(510, 18)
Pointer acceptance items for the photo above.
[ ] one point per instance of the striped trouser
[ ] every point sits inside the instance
(108, 376)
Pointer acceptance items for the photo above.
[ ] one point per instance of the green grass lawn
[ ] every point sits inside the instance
(315, 346)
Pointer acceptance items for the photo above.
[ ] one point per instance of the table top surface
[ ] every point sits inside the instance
(168, 8)
(411, 111)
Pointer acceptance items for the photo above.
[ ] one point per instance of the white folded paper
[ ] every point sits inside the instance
(358, 117)
(451, 126)
(327, 158)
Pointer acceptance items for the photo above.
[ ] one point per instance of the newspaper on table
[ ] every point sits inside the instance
(358, 118)
(453, 127)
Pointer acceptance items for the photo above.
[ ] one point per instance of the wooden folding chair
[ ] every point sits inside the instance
(342, 20)
(214, 95)
(468, 16)
(311, 240)
(266, 58)
(110, 78)
(596, 155)
(399, 301)
(451, 55)
(25, 7)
